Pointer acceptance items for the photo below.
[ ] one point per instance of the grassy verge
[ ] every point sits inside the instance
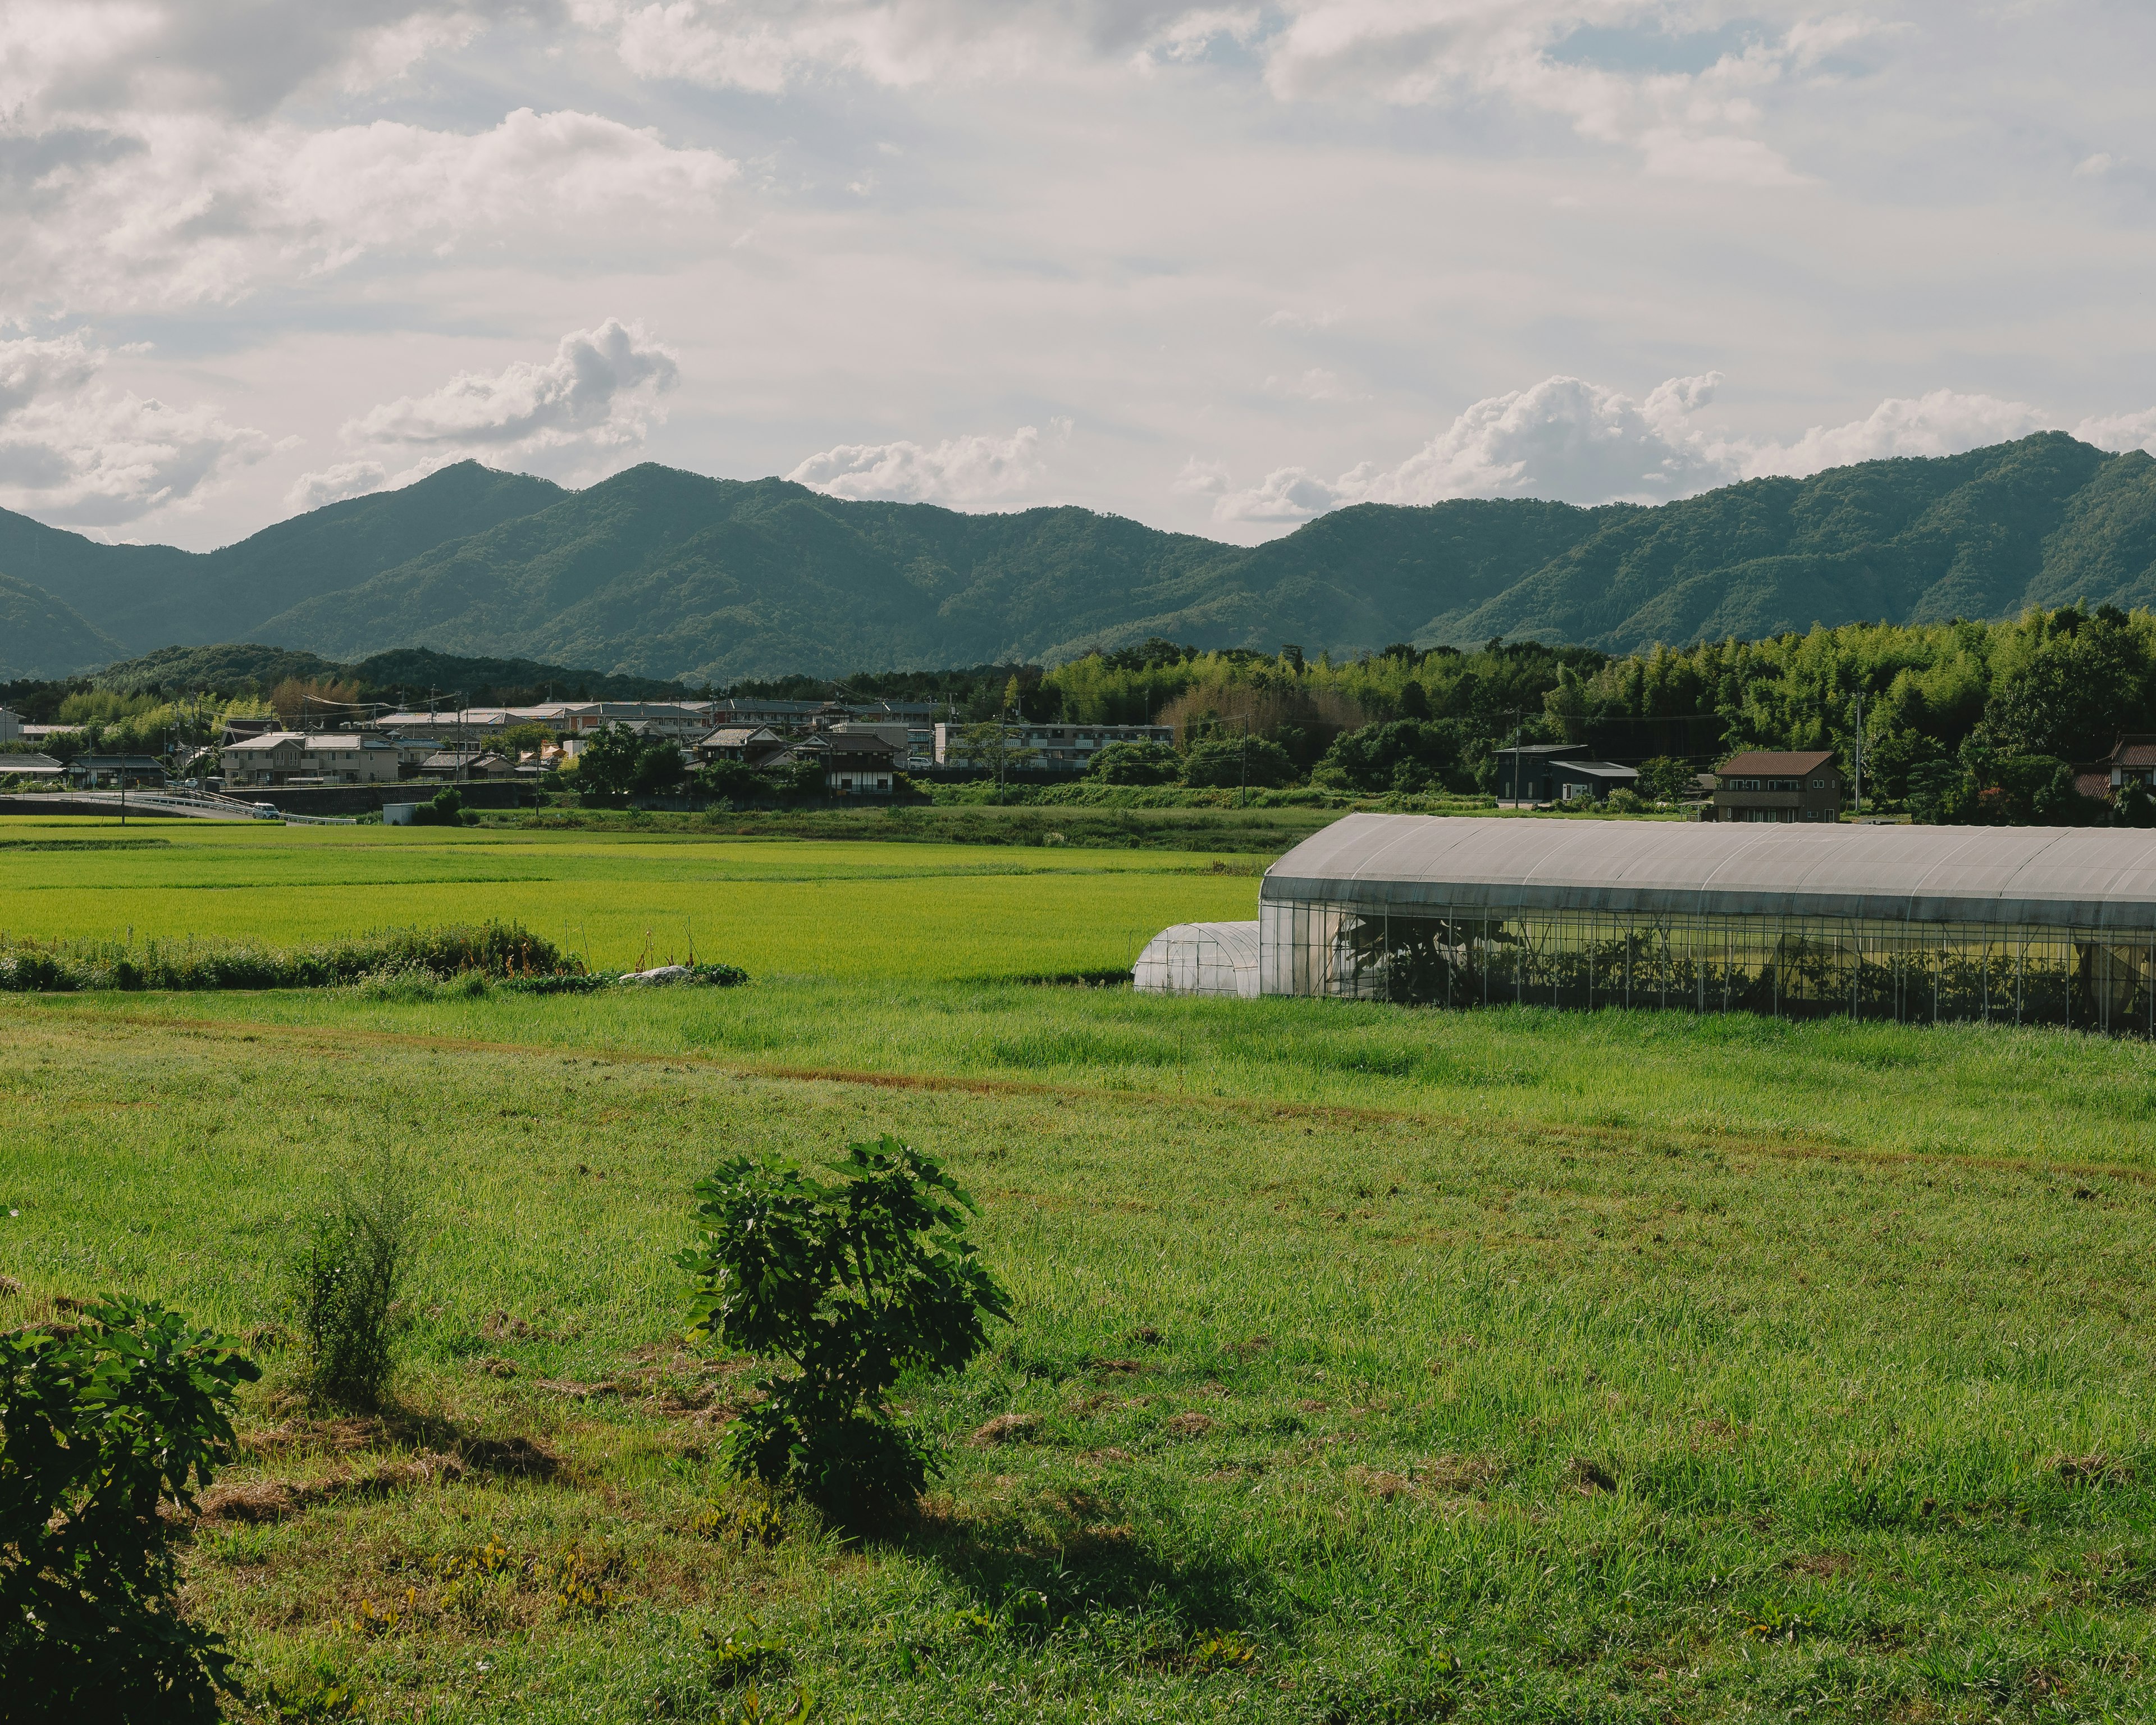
(1320, 1406)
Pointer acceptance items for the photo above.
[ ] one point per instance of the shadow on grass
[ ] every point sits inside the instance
(1069, 1553)
(395, 1427)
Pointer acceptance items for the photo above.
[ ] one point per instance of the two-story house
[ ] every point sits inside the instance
(292, 757)
(1778, 785)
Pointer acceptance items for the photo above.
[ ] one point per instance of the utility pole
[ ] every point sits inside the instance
(1245, 800)
(1856, 755)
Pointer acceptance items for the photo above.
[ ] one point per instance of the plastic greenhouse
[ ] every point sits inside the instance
(2013, 925)
(1200, 958)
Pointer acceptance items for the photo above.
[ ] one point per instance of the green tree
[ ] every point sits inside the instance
(616, 762)
(1134, 763)
(108, 1429)
(1232, 760)
(1406, 755)
(845, 1286)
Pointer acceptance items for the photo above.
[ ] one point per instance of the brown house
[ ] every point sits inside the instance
(1771, 785)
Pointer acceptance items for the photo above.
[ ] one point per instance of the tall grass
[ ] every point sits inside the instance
(489, 949)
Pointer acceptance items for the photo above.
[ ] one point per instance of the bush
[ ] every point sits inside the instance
(346, 1277)
(505, 951)
(107, 1426)
(446, 808)
(1229, 762)
(1409, 755)
(1625, 801)
(850, 1284)
(1134, 763)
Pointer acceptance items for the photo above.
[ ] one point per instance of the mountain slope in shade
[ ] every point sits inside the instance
(659, 573)
(149, 596)
(40, 637)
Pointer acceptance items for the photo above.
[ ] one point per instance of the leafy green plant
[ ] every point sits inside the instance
(107, 1426)
(740, 1658)
(846, 1285)
(346, 1277)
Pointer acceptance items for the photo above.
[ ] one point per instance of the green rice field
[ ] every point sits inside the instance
(1369, 1364)
(856, 908)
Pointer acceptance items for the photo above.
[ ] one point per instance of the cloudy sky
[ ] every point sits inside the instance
(1217, 268)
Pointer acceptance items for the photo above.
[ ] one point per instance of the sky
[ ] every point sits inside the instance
(1218, 268)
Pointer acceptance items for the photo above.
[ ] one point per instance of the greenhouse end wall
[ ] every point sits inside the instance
(1783, 966)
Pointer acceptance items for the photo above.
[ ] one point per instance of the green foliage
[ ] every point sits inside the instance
(444, 809)
(1135, 763)
(107, 1426)
(1406, 755)
(616, 761)
(1224, 761)
(853, 1284)
(1665, 779)
(345, 1275)
(505, 950)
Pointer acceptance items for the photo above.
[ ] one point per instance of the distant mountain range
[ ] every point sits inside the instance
(657, 573)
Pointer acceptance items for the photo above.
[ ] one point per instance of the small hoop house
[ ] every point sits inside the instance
(1200, 958)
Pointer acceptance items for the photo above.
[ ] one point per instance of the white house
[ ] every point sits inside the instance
(291, 756)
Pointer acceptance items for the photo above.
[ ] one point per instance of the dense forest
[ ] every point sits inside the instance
(1965, 720)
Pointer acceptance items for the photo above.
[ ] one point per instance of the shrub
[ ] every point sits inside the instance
(1229, 762)
(1625, 801)
(446, 810)
(106, 1425)
(1134, 763)
(346, 1277)
(501, 950)
(851, 1284)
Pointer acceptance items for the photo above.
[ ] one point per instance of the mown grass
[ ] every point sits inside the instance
(1340, 1408)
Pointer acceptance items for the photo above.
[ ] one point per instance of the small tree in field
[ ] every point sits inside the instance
(104, 1429)
(845, 1285)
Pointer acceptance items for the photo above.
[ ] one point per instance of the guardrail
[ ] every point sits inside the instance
(208, 805)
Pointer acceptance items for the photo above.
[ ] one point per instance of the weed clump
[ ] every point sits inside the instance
(346, 1277)
(846, 1285)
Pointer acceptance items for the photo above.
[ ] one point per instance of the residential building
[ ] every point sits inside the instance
(112, 772)
(1531, 774)
(1774, 785)
(37, 767)
(466, 765)
(2131, 757)
(749, 743)
(1041, 748)
(284, 757)
(11, 725)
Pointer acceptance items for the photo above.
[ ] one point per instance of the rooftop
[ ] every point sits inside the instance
(2056, 876)
(1778, 763)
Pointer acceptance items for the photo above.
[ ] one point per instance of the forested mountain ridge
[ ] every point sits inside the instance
(660, 574)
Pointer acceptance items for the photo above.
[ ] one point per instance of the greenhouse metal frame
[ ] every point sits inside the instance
(2029, 926)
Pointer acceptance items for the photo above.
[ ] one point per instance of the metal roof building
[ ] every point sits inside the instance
(2019, 924)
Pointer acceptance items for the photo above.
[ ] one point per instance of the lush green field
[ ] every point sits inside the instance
(1380, 1365)
(842, 908)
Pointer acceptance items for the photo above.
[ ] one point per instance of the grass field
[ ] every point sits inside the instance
(1380, 1365)
(855, 907)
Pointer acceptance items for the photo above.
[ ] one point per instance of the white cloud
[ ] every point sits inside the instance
(2120, 431)
(76, 454)
(597, 396)
(198, 210)
(1578, 442)
(959, 471)
(1565, 438)
(1943, 423)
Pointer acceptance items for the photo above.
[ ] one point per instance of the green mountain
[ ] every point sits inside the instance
(657, 573)
(402, 672)
(40, 637)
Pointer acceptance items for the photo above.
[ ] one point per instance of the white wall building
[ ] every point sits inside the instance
(291, 756)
